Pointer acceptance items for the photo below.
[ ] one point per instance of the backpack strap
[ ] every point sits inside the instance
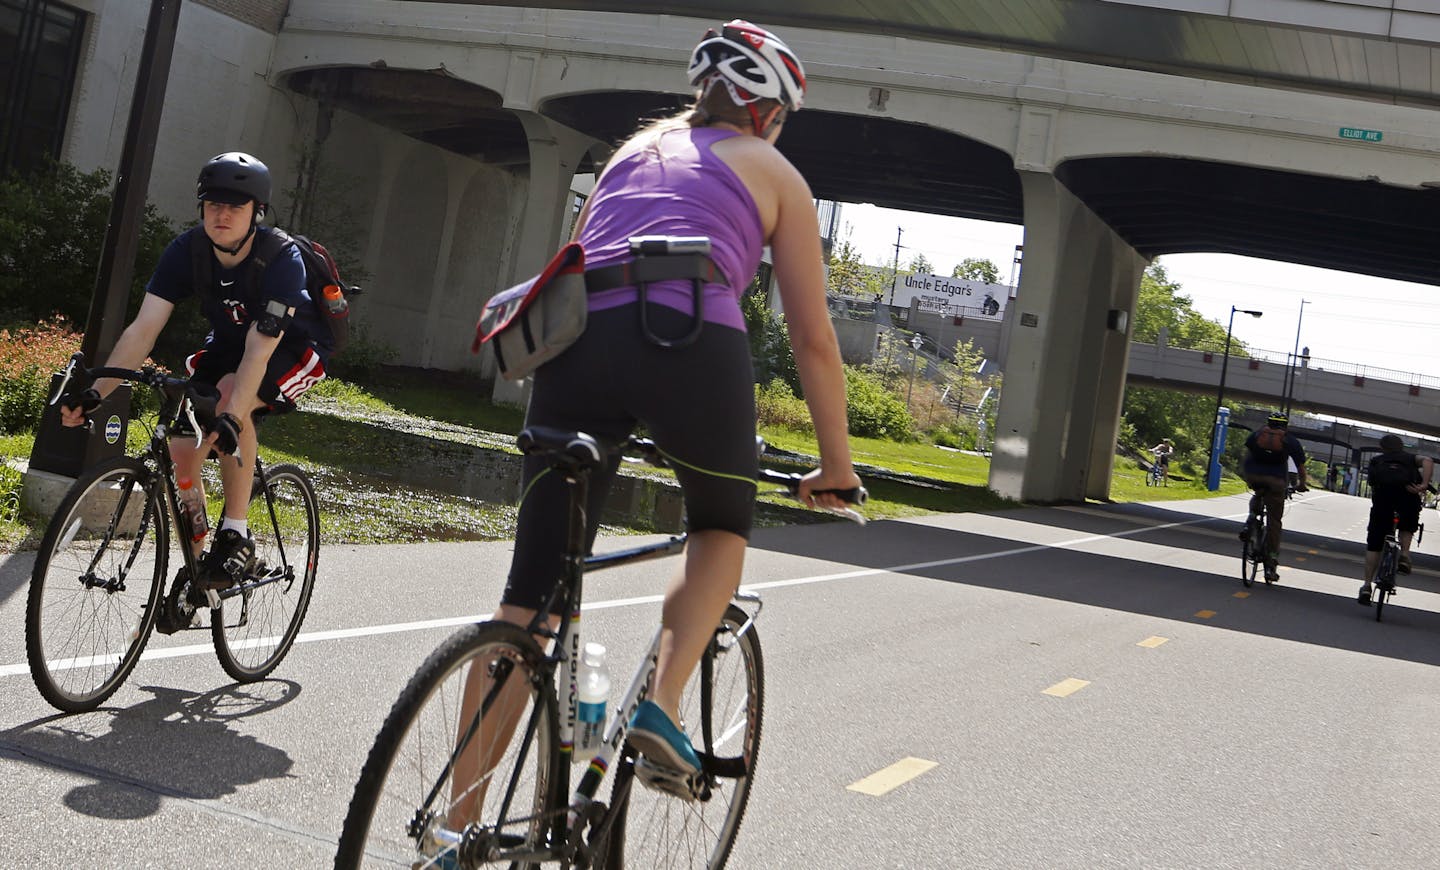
(263, 250)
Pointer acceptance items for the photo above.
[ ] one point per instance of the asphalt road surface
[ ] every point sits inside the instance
(1067, 687)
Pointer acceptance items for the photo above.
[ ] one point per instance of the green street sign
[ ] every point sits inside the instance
(1361, 135)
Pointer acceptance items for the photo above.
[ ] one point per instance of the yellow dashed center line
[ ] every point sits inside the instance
(892, 777)
(1242, 594)
(1204, 614)
(1152, 642)
(1066, 687)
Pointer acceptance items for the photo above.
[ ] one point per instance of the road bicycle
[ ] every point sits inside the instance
(446, 786)
(98, 586)
(1252, 543)
(1384, 586)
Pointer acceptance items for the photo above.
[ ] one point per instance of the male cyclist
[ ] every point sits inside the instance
(265, 347)
(1397, 479)
(1266, 472)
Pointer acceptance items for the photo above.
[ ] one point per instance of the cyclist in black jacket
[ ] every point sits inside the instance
(1397, 479)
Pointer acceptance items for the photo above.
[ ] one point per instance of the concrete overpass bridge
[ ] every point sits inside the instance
(1301, 130)
(1397, 400)
(1106, 166)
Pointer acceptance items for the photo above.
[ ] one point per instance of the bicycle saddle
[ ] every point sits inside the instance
(573, 448)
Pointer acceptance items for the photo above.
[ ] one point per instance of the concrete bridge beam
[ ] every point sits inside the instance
(555, 152)
(1059, 408)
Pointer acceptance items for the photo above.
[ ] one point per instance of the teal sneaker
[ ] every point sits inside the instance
(654, 736)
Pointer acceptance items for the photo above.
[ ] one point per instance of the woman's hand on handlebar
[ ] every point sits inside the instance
(813, 485)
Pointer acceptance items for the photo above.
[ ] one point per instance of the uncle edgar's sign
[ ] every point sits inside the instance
(951, 296)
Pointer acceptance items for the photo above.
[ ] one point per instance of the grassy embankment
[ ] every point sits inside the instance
(349, 443)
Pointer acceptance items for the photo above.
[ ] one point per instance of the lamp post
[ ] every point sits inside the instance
(1294, 360)
(1212, 480)
(915, 342)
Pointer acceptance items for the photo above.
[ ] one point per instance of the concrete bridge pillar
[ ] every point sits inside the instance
(1065, 372)
(555, 152)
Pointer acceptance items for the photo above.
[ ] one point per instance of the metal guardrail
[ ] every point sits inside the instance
(1342, 367)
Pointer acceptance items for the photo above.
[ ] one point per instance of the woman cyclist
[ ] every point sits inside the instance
(713, 171)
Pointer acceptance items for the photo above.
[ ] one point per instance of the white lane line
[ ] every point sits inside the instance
(450, 622)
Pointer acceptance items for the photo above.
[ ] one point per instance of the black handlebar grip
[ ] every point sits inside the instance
(855, 495)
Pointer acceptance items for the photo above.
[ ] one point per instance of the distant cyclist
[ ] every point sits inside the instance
(1267, 473)
(1397, 480)
(1163, 451)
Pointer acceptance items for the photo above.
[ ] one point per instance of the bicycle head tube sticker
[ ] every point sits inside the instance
(112, 429)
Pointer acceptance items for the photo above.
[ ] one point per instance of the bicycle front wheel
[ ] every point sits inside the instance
(446, 787)
(96, 585)
(721, 713)
(254, 629)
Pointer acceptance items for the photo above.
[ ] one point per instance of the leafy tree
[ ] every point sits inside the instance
(1161, 304)
(919, 265)
(977, 269)
(1152, 413)
(770, 350)
(52, 226)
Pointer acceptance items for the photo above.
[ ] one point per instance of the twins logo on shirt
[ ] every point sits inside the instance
(236, 309)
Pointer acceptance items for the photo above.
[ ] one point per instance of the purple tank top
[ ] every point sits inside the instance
(683, 190)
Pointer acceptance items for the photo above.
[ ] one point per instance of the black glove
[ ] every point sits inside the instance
(226, 428)
(85, 400)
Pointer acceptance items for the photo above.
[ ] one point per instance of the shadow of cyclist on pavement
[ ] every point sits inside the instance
(178, 744)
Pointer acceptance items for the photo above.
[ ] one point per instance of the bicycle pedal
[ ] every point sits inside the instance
(677, 783)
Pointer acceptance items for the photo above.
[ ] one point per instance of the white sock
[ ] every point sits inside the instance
(241, 526)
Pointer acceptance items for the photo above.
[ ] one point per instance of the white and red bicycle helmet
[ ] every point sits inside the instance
(752, 63)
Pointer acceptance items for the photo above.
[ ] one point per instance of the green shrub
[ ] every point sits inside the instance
(362, 358)
(52, 225)
(770, 350)
(958, 434)
(874, 412)
(777, 405)
(28, 357)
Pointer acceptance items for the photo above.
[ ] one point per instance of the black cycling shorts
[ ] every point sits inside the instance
(294, 367)
(696, 402)
(1384, 505)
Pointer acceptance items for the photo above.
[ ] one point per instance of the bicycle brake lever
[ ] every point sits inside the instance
(64, 382)
(194, 424)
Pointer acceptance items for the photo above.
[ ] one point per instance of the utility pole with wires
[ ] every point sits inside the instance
(895, 270)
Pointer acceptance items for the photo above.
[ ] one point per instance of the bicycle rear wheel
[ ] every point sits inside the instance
(1385, 579)
(253, 631)
(96, 585)
(411, 807)
(1251, 552)
(721, 712)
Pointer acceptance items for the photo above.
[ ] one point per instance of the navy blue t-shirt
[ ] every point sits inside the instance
(226, 306)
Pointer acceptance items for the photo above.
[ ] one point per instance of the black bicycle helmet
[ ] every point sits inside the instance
(1278, 419)
(752, 63)
(235, 178)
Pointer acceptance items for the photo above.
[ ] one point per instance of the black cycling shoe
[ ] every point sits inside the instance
(1364, 597)
(176, 610)
(229, 560)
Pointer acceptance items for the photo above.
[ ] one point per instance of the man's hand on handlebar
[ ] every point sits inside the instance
(225, 433)
(75, 408)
